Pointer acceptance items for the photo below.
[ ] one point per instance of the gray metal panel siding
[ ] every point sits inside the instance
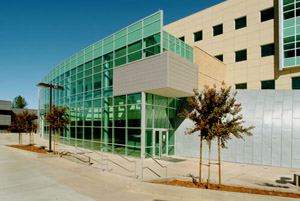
(275, 140)
(5, 119)
(183, 75)
(5, 105)
(147, 74)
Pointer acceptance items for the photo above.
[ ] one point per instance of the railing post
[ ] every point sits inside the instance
(102, 159)
(76, 153)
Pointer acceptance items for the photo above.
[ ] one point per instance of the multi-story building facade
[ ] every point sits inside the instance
(257, 40)
(124, 91)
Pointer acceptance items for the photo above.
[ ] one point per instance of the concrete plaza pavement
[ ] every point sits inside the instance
(27, 177)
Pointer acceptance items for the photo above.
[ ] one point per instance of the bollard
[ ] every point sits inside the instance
(297, 179)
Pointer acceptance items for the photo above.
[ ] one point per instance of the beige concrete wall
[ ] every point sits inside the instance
(255, 69)
(210, 70)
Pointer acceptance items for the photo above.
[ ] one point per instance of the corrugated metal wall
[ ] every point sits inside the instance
(276, 137)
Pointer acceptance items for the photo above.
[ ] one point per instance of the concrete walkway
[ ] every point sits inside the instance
(27, 177)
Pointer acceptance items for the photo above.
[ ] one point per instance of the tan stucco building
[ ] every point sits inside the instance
(246, 36)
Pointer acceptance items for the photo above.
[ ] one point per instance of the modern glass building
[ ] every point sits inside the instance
(122, 92)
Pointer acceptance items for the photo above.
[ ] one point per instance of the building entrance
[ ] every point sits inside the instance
(160, 139)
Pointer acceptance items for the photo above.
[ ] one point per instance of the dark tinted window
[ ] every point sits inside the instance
(218, 29)
(241, 22)
(220, 57)
(181, 38)
(267, 50)
(296, 83)
(268, 84)
(240, 55)
(241, 86)
(267, 14)
(198, 36)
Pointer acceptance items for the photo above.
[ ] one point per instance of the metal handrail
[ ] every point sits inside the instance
(162, 166)
(130, 161)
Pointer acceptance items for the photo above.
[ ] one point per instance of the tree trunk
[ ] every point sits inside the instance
(54, 141)
(58, 137)
(200, 163)
(219, 158)
(208, 178)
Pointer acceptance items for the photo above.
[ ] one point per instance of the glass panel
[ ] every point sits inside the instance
(152, 50)
(79, 86)
(133, 98)
(135, 35)
(97, 116)
(152, 40)
(152, 28)
(267, 14)
(120, 33)
(88, 83)
(108, 48)
(120, 116)
(120, 52)
(120, 136)
(134, 137)
(135, 56)
(164, 142)
(135, 26)
(134, 116)
(149, 138)
(149, 116)
(156, 141)
(172, 118)
(97, 81)
(149, 98)
(171, 137)
(120, 42)
(119, 100)
(160, 100)
(267, 50)
(161, 117)
(296, 83)
(135, 47)
(152, 18)
(120, 61)
(107, 78)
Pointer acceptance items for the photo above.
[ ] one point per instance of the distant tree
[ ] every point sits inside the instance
(215, 115)
(58, 119)
(19, 102)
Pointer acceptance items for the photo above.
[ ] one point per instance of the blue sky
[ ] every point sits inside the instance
(37, 35)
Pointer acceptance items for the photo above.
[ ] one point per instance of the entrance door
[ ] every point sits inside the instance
(160, 142)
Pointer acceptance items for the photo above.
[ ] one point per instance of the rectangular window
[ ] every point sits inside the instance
(240, 22)
(268, 84)
(220, 57)
(267, 14)
(198, 36)
(295, 82)
(267, 50)
(241, 86)
(240, 55)
(181, 38)
(218, 29)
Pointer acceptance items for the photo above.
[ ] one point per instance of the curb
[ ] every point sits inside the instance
(198, 194)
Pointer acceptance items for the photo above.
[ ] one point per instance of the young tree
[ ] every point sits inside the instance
(215, 116)
(19, 102)
(17, 125)
(58, 119)
(30, 124)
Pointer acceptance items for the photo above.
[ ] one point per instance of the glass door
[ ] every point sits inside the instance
(160, 143)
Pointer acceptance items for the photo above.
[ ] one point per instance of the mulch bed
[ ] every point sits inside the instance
(35, 149)
(30, 148)
(229, 188)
